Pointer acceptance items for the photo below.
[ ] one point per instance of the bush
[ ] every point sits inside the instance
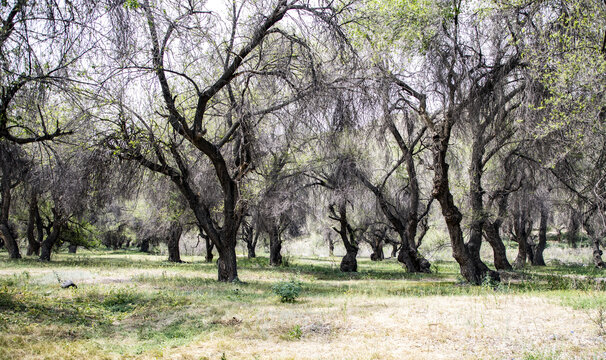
(288, 291)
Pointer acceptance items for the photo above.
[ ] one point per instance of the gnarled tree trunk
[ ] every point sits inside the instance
(46, 247)
(5, 230)
(472, 269)
(493, 236)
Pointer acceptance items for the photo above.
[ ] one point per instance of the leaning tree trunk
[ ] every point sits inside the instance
(47, 245)
(275, 246)
(537, 259)
(471, 268)
(492, 231)
(174, 235)
(5, 230)
(209, 246)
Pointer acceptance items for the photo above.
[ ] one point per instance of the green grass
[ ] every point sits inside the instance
(128, 304)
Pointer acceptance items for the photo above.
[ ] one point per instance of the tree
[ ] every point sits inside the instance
(226, 106)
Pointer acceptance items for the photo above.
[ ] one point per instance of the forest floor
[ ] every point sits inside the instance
(134, 306)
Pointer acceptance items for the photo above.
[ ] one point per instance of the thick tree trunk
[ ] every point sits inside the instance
(227, 265)
(275, 246)
(72, 249)
(174, 235)
(537, 259)
(471, 268)
(47, 245)
(144, 246)
(349, 263)
(476, 193)
(377, 251)
(5, 230)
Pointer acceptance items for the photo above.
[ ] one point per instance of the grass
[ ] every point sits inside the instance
(129, 305)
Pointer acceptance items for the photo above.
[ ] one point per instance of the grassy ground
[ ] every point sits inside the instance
(129, 305)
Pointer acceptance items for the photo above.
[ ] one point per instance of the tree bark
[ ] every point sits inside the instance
(47, 245)
(349, 263)
(476, 193)
(573, 228)
(492, 230)
(538, 259)
(595, 240)
(472, 269)
(275, 246)
(5, 229)
(377, 251)
(522, 227)
(33, 244)
(174, 235)
(144, 246)
(227, 265)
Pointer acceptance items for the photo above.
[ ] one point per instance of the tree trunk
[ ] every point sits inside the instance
(471, 268)
(275, 246)
(377, 251)
(252, 246)
(209, 246)
(476, 193)
(144, 246)
(595, 240)
(33, 244)
(522, 228)
(227, 265)
(573, 228)
(72, 248)
(331, 243)
(491, 230)
(47, 245)
(537, 259)
(394, 249)
(174, 235)
(349, 263)
(5, 230)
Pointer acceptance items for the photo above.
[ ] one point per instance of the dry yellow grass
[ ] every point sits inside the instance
(458, 327)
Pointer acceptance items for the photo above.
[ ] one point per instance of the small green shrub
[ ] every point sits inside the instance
(288, 291)
(295, 333)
